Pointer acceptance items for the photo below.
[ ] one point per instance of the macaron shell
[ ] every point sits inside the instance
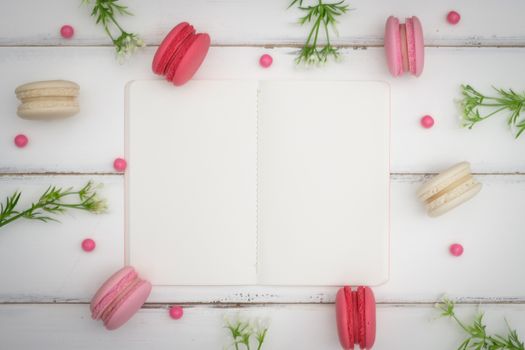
(419, 47)
(46, 110)
(456, 201)
(176, 58)
(369, 318)
(129, 306)
(344, 322)
(126, 273)
(393, 46)
(442, 180)
(169, 46)
(192, 59)
(47, 88)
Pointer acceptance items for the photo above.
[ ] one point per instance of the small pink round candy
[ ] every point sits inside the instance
(176, 312)
(21, 140)
(120, 164)
(88, 245)
(266, 60)
(427, 122)
(453, 17)
(67, 31)
(456, 249)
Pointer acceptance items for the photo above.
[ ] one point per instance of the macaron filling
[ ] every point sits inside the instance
(352, 315)
(411, 45)
(403, 43)
(360, 294)
(355, 303)
(462, 181)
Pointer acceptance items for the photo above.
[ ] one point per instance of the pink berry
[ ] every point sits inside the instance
(266, 60)
(176, 312)
(21, 140)
(427, 122)
(88, 245)
(67, 31)
(456, 249)
(453, 17)
(120, 164)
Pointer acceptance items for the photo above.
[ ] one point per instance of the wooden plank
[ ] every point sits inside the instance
(256, 22)
(50, 266)
(291, 327)
(91, 140)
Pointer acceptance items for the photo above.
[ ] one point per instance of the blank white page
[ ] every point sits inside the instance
(191, 181)
(323, 183)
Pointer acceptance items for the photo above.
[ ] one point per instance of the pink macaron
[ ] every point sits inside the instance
(404, 46)
(181, 53)
(356, 317)
(119, 298)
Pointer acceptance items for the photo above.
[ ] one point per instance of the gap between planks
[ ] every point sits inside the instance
(273, 45)
(226, 305)
(70, 173)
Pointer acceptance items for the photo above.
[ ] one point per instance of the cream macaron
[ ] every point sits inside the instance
(449, 189)
(50, 99)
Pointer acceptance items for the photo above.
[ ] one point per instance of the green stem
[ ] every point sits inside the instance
(317, 25)
(327, 33)
(491, 104)
(491, 114)
(460, 323)
(13, 218)
(312, 32)
(109, 33)
(116, 23)
(21, 214)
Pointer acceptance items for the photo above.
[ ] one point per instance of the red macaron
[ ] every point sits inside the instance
(356, 317)
(181, 53)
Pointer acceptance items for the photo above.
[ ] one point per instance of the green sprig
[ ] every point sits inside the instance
(105, 11)
(243, 333)
(473, 103)
(478, 339)
(52, 202)
(322, 16)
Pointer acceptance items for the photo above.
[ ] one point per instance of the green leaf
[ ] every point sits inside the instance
(321, 14)
(476, 107)
(477, 337)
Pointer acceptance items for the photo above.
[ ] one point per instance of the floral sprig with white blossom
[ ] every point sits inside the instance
(126, 44)
(246, 333)
(54, 201)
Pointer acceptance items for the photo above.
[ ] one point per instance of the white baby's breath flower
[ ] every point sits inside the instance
(126, 45)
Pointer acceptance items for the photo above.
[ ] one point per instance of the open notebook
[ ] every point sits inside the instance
(258, 182)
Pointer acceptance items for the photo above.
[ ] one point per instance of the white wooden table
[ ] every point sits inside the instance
(46, 280)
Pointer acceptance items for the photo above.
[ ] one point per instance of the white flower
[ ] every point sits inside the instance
(126, 45)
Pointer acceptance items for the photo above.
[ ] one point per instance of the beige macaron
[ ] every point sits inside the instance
(50, 99)
(449, 189)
